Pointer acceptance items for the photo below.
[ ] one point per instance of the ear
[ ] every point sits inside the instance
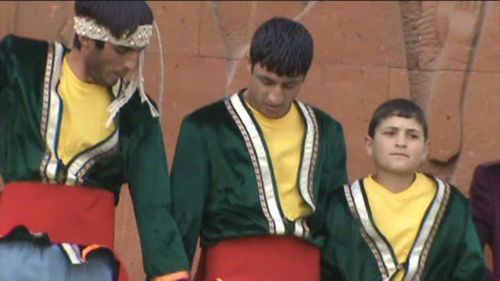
(369, 145)
(87, 43)
(426, 150)
(249, 63)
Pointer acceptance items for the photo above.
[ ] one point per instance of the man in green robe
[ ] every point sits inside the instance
(72, 131)
(252, 172)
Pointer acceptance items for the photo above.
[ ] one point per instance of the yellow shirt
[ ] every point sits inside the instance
(85, 112)
(399, 215)
(284, 139)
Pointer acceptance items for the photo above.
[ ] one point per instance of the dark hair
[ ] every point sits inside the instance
(282, 46)
(397, 107)
(120, 17)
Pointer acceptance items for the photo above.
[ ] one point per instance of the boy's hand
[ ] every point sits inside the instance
(1, 183)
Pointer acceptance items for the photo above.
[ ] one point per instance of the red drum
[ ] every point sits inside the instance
(69, 214)
(260, 258)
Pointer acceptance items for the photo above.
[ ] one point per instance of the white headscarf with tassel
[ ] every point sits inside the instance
(139, 39)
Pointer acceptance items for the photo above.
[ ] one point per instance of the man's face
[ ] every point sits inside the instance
(398, 145)
(105, 66)
(271, 94)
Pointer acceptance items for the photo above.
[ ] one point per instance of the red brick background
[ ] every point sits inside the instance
(443, 55)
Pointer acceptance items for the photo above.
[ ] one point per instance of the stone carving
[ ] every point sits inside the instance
(440, 38)
(236, 29)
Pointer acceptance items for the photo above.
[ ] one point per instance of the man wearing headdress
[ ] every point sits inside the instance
(73, 129)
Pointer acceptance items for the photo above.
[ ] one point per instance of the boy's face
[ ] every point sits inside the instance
(271, 94)
(398, 145)
(105, 66)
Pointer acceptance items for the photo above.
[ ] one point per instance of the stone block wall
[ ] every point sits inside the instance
(443, 55)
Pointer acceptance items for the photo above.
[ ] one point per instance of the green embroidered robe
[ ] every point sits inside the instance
(30, 120)
(446, 248)
(223, 183)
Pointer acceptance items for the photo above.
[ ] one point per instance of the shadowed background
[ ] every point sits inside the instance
(443, 55)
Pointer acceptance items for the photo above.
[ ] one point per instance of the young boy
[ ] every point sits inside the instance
(400, 224)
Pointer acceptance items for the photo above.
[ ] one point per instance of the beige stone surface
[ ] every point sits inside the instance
(179, 24)
(365, 33)
(191, 83)
(349, 94)
(225, 28)
(239, 78)
(398, 83)
(128, 246)
(44, 20)
(481, 126)
(444, 115)
(7, 17)
(488, 50)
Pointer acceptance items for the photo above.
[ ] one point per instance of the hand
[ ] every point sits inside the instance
(2, 184)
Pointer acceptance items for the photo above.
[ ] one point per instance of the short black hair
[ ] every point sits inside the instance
(120, 17)
(282, 46)
(397, 107)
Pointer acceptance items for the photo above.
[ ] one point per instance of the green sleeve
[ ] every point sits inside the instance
(327, 263)
(4, 79)
(5, 69)
(336, 165)
(471, 264)
(335, 172)
(150, 191)
(342, 240)
(190, 182)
